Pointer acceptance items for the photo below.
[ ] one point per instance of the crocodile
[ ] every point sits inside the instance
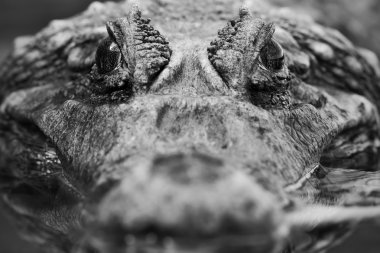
(214, 126)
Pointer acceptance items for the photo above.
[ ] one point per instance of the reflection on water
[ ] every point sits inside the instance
(357, 191)
(10, 242)
(356, 186)
(365, 239)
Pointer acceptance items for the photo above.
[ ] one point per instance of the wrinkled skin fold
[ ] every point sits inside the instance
(209, 128)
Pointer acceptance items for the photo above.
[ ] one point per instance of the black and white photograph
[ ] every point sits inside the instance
(189, 126)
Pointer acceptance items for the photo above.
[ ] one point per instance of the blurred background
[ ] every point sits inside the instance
(24, 17)
(358, 20)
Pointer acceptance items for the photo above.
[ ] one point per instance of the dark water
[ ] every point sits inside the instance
(18, 17)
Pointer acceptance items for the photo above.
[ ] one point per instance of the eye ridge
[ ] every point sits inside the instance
(272, 56)
(108, 56)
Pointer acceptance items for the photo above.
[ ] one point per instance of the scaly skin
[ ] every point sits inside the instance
(120, 134)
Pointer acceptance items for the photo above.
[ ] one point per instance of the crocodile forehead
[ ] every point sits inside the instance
(191, 19)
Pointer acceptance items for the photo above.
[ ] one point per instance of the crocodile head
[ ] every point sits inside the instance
(233, 130)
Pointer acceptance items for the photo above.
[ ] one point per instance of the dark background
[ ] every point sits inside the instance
(25, 17)
(359, 20)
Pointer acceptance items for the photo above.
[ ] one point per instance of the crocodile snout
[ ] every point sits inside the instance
(188, 201)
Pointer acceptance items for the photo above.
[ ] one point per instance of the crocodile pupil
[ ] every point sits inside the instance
(107, 56)
(272, 56)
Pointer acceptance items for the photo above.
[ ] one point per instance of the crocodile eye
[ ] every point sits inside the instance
(272, 55)
(108, 56)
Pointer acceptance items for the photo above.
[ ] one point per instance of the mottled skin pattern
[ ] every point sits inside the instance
(210, 128)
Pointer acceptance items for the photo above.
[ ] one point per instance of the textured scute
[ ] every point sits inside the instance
(44, 56)
(239, 56)
(323, 56)
(145, 50)
(66, 47)
(229, 51)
